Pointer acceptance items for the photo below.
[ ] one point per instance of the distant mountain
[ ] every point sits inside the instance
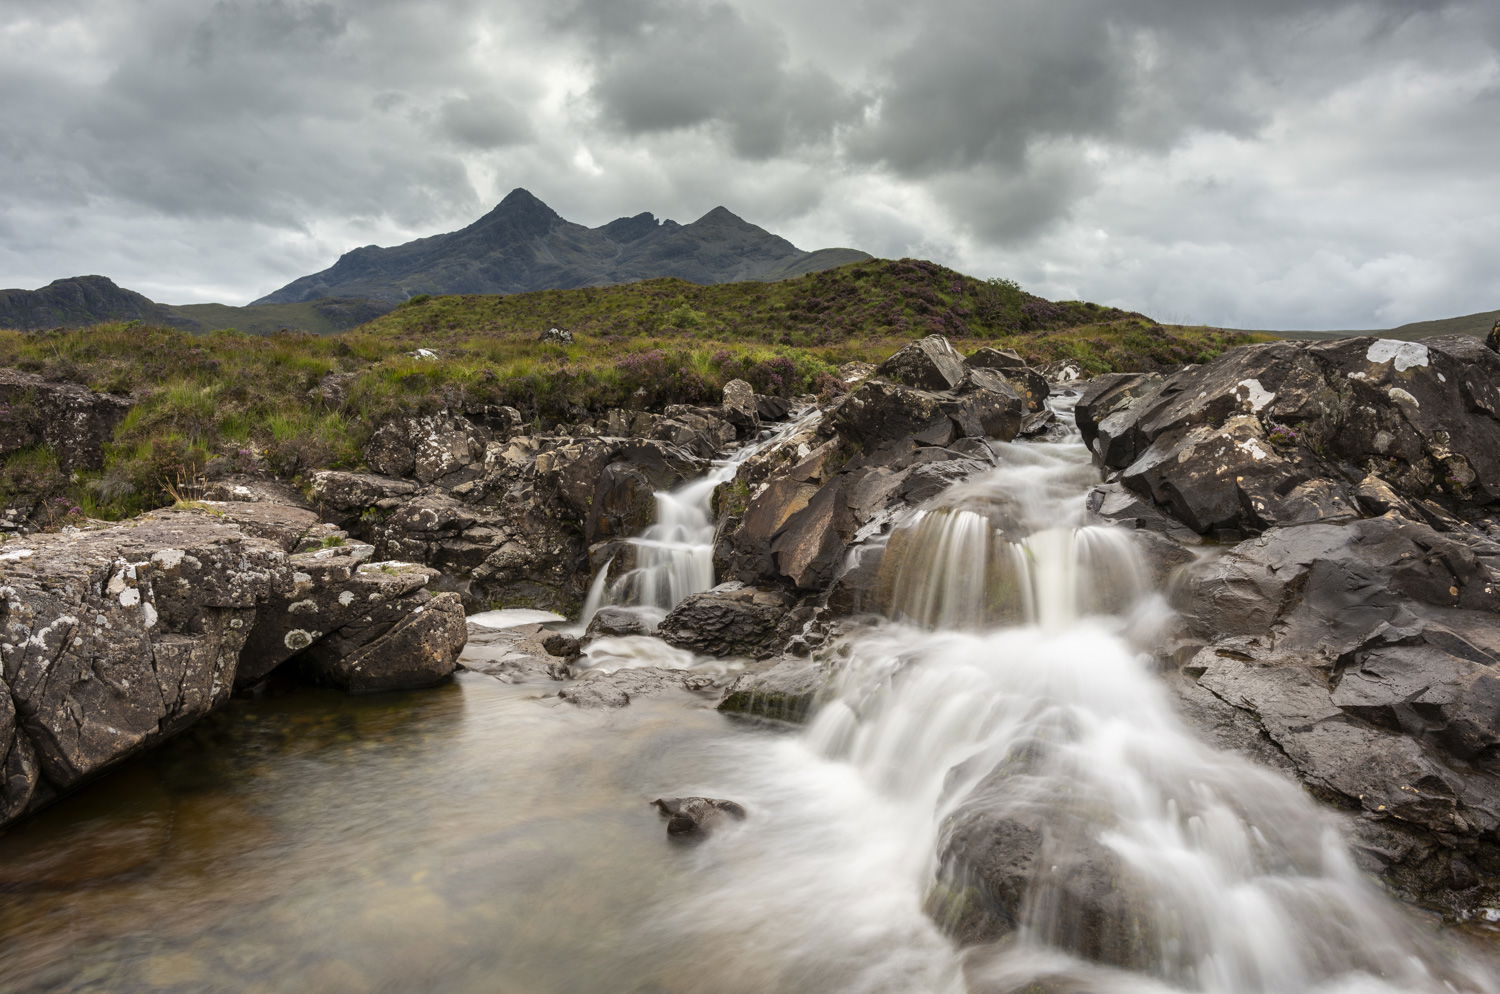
(85, 300)
(76, 301)
(524, 245)
(1468, 324)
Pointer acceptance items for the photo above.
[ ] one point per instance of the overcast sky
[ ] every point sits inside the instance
(1249, 163)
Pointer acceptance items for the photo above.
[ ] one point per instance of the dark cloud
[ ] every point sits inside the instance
(1283, 162)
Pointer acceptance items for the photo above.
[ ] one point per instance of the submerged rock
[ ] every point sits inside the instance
(691, 819)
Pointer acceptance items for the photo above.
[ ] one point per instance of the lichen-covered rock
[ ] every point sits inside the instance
(71, 420)
(433, 447)
(114, 638)
(1224, 446)
(393, 645)
(931, 363)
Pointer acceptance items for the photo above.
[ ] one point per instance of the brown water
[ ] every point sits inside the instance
(481, 837)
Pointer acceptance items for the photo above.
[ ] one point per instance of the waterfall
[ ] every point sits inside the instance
(1010, 702)
(674, 556)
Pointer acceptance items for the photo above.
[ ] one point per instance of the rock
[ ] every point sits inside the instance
(1030, 384)
(769, 408)
(786, 691)
(691, 819)
(930, 364)
(729, 620)
(852, 374)
(115, 638)
(333, 389)
(356, 493)
(408, 647)
(1365, 652)
(431, 448)
(597, 690)
(1285, 432)
(72, 421)
(740, 405)
(557, 336)
(612, 621)
(567, 647)
(1493, 338)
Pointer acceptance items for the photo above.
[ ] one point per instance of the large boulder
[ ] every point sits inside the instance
(931, 364)
(72, 421)
(435, 447)
(729, 620)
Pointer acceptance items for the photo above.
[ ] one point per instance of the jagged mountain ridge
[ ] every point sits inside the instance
(524, 245)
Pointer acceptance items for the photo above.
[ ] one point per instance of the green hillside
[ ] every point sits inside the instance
(235, 401)
(1468, 324)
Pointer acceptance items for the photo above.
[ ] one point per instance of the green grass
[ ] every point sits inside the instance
(231, 401)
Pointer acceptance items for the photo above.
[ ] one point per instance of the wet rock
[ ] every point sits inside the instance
(404, 646)
(612, 621)
(596, 690)
(729, 620)
(563, 646)
(1365, 653)
(72, 421)
(691, 819)
(786, 691)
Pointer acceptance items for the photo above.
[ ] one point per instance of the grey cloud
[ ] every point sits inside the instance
(483, 122)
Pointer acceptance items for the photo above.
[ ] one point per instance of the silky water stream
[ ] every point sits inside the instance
(487, 837)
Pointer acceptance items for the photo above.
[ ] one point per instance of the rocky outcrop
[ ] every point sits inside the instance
(114, 638)
(1367, 654)
(1354, 639)
(1285, 433)
(71, 420)
(801, 512)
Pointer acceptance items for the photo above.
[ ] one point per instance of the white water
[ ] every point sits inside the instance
(674, 556)
(1018, 690)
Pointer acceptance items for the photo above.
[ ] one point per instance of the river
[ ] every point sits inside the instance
(487, 837)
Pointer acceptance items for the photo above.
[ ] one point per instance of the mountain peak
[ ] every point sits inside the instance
(722, 215)
(521, 197)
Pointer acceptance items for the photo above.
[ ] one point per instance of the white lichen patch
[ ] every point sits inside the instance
(18, 554)
(1402, 397)
(297, 639)
(303, 607)
(168, 558)
(1253, 448)
(130, 597)
(1254, 395)
(148, 612)
(346, 598)
(1404, 355)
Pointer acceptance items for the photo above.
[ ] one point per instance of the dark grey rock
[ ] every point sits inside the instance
(691, 819)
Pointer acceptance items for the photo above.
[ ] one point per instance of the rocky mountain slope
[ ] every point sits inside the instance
(524, 245)
(80, 300)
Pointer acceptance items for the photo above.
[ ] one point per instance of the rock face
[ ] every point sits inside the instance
(1354, 639)
(115, 638)
(1285, 433)
(73, 421)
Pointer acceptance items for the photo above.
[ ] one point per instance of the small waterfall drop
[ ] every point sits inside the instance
(1011, 709)
(674, 556)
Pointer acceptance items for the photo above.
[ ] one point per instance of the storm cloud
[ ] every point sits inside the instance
(1288, 163)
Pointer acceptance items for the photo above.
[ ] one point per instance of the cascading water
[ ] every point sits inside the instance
(1003, 757)
(674, 556)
